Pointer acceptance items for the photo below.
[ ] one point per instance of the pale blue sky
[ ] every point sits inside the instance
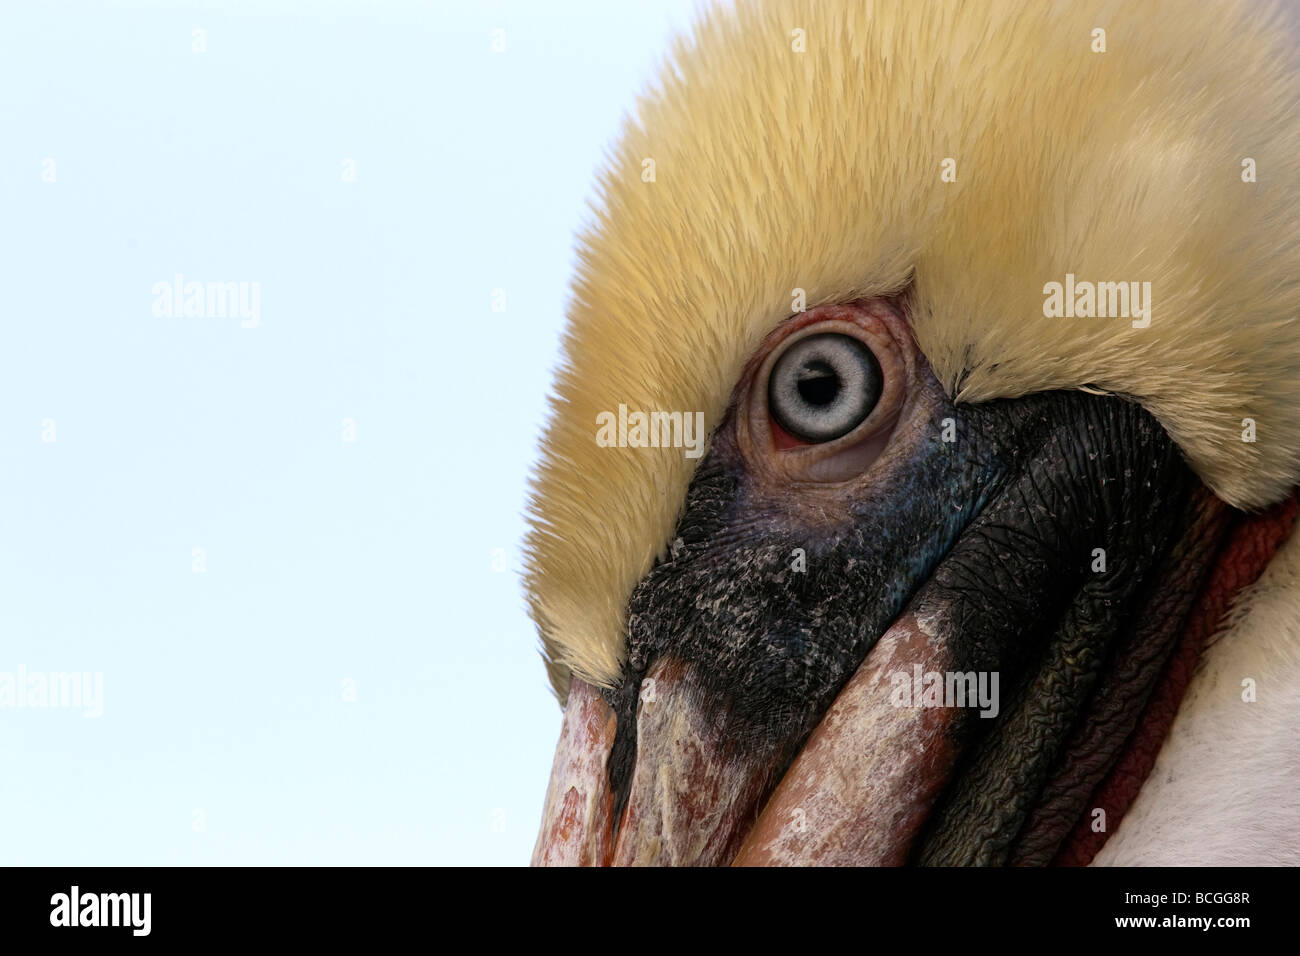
(225, 737)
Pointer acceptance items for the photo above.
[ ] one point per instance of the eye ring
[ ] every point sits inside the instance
(781, 461)
(824, 386)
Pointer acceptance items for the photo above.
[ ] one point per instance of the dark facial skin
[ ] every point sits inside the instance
(851, 536)
(994, 532)
(1083, 681)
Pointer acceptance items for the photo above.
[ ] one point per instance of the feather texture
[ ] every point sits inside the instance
(1225, 790)
(777, 169)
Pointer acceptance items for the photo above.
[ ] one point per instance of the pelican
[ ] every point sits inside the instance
(990, 315)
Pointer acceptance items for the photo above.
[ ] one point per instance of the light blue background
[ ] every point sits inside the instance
(371, 561)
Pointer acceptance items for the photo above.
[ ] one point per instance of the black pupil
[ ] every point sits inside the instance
(818, 384)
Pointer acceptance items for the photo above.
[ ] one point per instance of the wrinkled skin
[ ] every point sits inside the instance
(997, 531)
(1050, 546)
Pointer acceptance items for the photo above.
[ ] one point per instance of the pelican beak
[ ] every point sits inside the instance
(960, 665)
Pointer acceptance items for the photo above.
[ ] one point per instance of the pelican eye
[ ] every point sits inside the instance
(824, 386)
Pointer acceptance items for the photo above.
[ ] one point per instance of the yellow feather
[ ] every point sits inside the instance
(776, 169)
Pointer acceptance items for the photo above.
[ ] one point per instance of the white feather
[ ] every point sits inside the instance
(1225, 789)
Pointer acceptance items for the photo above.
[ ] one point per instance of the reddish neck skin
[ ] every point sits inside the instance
(1250, 546)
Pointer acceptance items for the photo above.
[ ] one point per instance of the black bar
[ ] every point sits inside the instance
(386, 905)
